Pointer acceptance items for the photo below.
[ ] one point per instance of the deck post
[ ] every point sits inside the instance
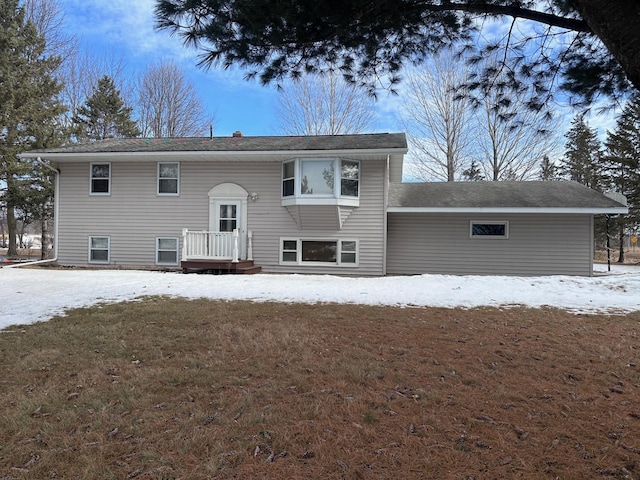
(250, 245)
(184, 245)
(235, 245)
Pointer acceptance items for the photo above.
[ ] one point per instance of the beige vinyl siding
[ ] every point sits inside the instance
(395, 168)
(365, 223)
(133, 216)
(538, 244)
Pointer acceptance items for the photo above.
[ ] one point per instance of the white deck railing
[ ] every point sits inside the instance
(205, 245)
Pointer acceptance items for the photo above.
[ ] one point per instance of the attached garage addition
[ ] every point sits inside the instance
(480, 228)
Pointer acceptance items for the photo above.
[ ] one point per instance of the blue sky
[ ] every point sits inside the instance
(124, 29)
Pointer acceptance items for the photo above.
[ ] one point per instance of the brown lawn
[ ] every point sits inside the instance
(176, 389)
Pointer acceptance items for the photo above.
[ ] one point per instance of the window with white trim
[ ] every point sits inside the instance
(290, 251)
(167, 250)
(100, 183)
(490, 229)
(168, 178)
(302, 251)
(99, 249)
(288, 178)
(313, 180)
(349, 178)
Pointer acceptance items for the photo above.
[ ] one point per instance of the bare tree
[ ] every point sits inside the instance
(437, 118)
(323, 105)
(513, 139)
(47, 16)
(80, 74)
(168, 104)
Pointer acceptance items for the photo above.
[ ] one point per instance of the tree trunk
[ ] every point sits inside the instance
(621, 242)
(43, 236)
(12, 228)
(616, 24)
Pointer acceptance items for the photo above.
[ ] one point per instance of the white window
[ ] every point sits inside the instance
(320, 181)
(349, 178)
(99, 249)
(490, 229)
(288, 178)
(290, 251)
(100, 183)
(168, 178)
(167, 251)
(317, 177)
(301, 251)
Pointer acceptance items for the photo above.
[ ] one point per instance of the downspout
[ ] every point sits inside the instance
(385, 214)
(56, 209)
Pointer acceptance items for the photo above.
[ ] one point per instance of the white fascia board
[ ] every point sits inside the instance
(506, 210)
(209, 155)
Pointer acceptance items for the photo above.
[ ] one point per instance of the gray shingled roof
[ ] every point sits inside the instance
(497, 195)
(374, 141)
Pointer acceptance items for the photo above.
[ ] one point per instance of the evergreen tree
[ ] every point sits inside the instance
(582, 162)
(548, 169)
(104, 115)
(623, 167)
(29, 104)
(371, 41)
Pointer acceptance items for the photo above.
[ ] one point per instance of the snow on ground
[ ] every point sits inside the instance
(31, 295)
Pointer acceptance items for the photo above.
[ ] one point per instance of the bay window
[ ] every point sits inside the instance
(321, 181)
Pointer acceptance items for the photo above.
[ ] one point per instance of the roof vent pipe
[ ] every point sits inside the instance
(237, 133)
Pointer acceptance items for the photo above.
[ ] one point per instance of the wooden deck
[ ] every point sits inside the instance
(220, 267)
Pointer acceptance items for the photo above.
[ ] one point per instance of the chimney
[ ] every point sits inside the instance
(237, 133)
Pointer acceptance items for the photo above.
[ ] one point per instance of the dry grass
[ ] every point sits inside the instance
(168, 389)
(631, 256)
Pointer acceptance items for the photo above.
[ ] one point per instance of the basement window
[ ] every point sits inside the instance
(167, 251)
(99, 249)
(319, 252)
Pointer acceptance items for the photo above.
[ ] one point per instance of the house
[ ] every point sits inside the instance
(315, 204)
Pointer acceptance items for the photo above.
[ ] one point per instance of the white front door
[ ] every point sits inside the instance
(228, 212)
(227, 216)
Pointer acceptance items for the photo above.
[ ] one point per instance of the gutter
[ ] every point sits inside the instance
(218, 155)
(621, 210)
(56, 210)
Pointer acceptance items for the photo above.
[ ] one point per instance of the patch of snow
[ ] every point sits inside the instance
(32, 295)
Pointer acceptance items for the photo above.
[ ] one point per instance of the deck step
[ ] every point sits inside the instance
(218, 267)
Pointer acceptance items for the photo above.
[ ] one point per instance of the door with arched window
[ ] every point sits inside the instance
(228, 213)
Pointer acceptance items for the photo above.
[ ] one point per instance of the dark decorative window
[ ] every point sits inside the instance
(490, 229)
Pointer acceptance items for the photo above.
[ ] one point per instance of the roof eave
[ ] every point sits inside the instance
(511, 210)
(233, 154)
